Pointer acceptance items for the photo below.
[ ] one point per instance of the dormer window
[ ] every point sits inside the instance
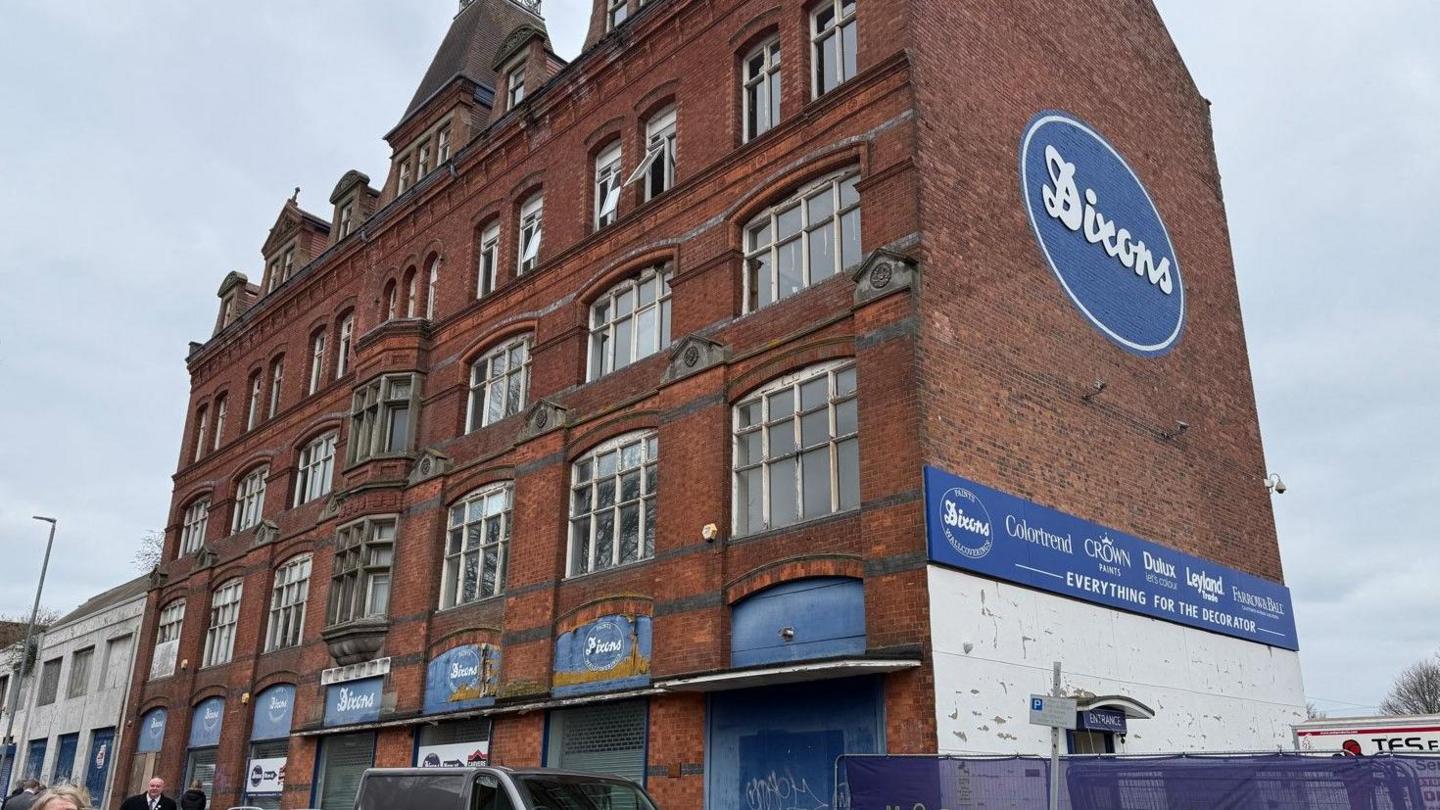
(227, 311)
(442, 145)
(287, 264)
(515, 86)
(404, 175)
(617, 12)
(274, 275)
(424, 167)
(347, 219)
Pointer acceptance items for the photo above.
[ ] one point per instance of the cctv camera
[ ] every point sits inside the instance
(1279, 486)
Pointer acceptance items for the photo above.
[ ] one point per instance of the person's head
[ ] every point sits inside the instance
(62, 797)
(32, 785)
(197, 785)
(155, 788)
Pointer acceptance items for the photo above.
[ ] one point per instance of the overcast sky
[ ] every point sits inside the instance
(146, 148)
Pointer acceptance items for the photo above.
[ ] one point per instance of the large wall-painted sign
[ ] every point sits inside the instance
(463, 677)
(1102, 234)
(152, 731)
(612, 652)
(274, 709)
(989, 532)
(205, 723)
(354, 702)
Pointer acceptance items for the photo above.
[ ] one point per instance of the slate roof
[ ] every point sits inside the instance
(471, 45)
(118, 595)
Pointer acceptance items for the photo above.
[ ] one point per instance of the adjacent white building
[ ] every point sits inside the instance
(73, 698)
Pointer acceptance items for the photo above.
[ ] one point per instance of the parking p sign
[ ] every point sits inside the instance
(1054, 712)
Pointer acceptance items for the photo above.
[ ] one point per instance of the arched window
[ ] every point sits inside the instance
(607, 185)
(277, 382)
(219, 422)
(761, 82)
(499, 383)
(630, 321)
(343, 345)
(250, 500)
(315, 469)
(202, 431)
(412, 292)
(612, 503)
(224, 616)
(288, 596)
(657, 167)
(797, 451)
(532, 227)
(167, 639)
(487, 266)
(194, 525)
(432, 289)
(253, 415)
(391, 301)
(804, 240)
(317, 360)
(478, 536)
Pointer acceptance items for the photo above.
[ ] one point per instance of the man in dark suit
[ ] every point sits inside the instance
(153, 798)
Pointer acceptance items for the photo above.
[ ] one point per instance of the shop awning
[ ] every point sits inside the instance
(786, 673)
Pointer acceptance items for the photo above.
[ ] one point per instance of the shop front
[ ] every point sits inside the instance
(206, 721)
(344, 757)
(269, 746)
(458, 682)
(610, 654)
(147, 749)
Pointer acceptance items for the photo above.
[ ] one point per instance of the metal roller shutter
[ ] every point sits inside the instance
(344, 759)
(607, 738)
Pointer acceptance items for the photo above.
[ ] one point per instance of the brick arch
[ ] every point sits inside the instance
(203, 693)
(602, 135)
(594, 434)
(807, 566)
(191, 495)
(623, 269)
(656, 99)
(472, 480)
(796, 358)
(521, 324)
(288, 550)
(633, 604)
(749, 34)
(771, 189)
(227, 573)
(279, 677)
(313, 430)
(153, 703)
(481, 634)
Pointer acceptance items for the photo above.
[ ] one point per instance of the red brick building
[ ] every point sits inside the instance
(594, 436)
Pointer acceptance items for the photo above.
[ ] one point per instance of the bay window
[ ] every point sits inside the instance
(382, 416)
(360, 582)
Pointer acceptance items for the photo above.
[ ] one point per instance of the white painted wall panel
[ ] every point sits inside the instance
(994, 644)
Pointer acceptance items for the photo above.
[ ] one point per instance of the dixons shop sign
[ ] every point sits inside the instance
(988, 532)
(1102, 234)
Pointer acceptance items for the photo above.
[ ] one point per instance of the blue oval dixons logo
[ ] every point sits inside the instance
(1102, 234)
(605, 644)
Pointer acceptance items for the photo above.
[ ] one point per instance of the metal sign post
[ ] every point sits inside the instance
(1057, 712)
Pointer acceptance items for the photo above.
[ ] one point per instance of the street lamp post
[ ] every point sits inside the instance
(10, 749)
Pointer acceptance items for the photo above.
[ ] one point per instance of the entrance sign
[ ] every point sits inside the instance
(1102, 234)
(979, 529)
(1052, 712)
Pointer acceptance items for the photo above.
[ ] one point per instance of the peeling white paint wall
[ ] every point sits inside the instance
(994, 644)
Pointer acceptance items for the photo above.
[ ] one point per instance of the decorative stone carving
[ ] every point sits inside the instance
(543, 417)
(266, 532)
(430, 464)
(883, 273)
(332, 506)
(356, 641)
(205, 557)
(692, 355)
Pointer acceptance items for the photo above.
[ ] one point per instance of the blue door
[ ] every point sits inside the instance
(65, 759)
(35, 759)
(102, 745)
(775, 747)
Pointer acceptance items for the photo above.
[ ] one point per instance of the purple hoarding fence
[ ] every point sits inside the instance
(1277, 781)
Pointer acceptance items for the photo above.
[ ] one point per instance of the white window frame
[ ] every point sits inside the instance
(219, 422)
(607, 185)
(202, 431)
(316, 469)
(494, 376)
(224, 618)
(317, 361)
(257, 388)
(616, 316)
(844, 201)
(392, 299)
(287, 264)
(277, 380)
(432, 289)
(194, 525)
(342, 350)
(167, 630)
(761, 87)
(360, 580)
(632, 457)
(660, 150)
(422, 160)
(412, 294)
(616, 12)
(477, 539)
(374, 416)
(765, 442)
(404, 181)
(250, 500)
(515, 85)
(347, 218)
(289, 595)
(532, 232)
(442, 144)
(828, 47)
(487, 265)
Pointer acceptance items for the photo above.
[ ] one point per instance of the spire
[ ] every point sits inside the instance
(469, 49)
